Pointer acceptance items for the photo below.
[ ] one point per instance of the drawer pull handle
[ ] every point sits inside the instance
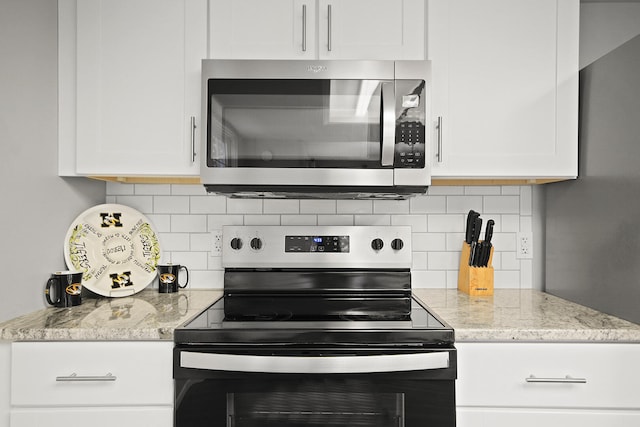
(76, 377)
(567, 380)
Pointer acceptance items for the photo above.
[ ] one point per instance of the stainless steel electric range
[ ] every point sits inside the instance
(317, 327)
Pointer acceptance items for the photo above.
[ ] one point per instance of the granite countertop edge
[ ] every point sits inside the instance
(145, 316)
(525, 315)
(510, 315)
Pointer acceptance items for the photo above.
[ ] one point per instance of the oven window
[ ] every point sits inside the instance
(228, 399)
(310, 123)
(284, 409)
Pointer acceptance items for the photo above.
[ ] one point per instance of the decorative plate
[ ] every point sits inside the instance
(115, 247)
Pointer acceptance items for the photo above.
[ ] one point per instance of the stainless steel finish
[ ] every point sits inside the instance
(566, 380)
(193, 139)
(304, 27)
(77, 378)
(275, 176)
(439, 128)
(339, 194)
(296, 69)
(387, 139)
(413, 70)
(314, 364)
(421, 176)
(272, 254)
(329, 28)
(358, 179)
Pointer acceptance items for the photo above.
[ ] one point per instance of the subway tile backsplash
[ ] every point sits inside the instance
(184, 216)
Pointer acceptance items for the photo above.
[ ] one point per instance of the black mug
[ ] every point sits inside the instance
(168, 277)
(64, 289)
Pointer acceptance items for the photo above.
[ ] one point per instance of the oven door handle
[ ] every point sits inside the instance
(315, 364)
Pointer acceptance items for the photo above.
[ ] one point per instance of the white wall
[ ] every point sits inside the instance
(36, 205)
(184, 217)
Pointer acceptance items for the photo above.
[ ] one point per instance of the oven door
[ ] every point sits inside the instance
(314, 387)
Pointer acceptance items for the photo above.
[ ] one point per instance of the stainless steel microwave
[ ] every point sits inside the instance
(315, 129)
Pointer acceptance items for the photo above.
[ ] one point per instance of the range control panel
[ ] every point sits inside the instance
(316, 244)
(316, 247)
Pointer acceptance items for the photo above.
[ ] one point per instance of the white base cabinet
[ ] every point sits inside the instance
(5, 381)
(550, 384)
(92, 383)
(94, 417)
(503, 417)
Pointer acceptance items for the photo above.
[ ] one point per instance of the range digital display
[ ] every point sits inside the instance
(316, 244)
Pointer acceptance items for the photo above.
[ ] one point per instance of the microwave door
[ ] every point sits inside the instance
(301, 124)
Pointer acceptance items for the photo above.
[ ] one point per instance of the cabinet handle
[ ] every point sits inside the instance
(567, 380)
(304, 27)
(75, 377)
(193, 139)
(439, 129)
(329, 28)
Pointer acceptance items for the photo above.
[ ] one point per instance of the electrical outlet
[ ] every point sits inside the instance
(525, 246)
(216, 242)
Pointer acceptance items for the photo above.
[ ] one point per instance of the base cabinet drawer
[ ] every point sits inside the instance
(94, 417)
(548, 375)
(106, 373)
(507, 417)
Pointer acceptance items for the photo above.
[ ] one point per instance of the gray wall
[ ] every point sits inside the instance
(605, 25)
(36, 205)
(592, 238)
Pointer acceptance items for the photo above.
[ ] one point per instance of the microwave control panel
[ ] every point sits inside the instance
(410, 124)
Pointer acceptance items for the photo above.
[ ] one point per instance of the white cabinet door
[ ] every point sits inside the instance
(577, 384)
(317, 29)
(371, 29)
(505, 82)
(498, 374)
(5, 383)
(507, 417)
(258, 29)
(98, 384)
(94, 417)
(116, 373)
(138, 86)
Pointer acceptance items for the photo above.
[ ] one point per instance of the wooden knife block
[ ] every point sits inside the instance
(475, 281)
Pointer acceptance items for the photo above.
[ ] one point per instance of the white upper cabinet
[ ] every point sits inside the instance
(258, 29)
(504, 76)
(505, 85)
(371, 29)
(137, 85)
(317, 29)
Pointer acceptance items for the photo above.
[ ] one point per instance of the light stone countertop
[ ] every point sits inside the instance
(147, 315)
(524, 315)
(508, 315)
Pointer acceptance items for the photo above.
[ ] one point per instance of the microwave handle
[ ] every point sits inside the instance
(388, 133)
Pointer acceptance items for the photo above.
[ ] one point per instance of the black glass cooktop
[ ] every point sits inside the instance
(414, 326)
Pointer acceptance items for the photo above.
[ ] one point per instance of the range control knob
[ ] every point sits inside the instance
(256, 243)
(397, 244)
(377, 244)
(236, 243)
